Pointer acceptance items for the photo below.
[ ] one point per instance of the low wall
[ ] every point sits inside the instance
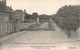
(26, 25)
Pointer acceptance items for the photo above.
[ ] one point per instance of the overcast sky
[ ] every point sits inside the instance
(41, 6)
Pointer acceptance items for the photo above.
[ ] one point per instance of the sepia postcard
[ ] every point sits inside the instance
(39, 24)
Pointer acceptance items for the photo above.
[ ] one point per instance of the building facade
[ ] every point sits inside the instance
(6, 19)
(20, 14)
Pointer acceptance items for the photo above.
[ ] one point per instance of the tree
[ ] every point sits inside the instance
(27, 17)
(34, 16)
(67, 18)
(44, 17)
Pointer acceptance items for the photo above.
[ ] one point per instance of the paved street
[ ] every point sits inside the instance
(56, 36)
(44, 25)
(42, 36)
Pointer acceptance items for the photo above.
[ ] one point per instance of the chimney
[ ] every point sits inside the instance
(4, 4)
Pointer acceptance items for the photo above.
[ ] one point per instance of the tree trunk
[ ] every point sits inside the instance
(68, 32)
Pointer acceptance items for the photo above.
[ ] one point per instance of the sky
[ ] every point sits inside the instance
(48, 7)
